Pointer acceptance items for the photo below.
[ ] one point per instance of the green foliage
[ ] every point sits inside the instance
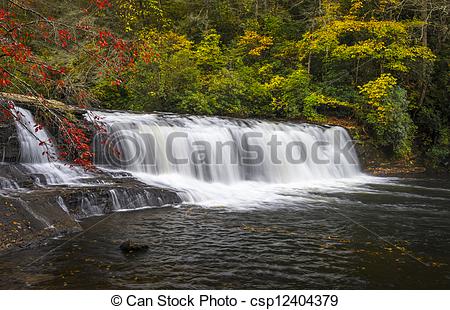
(294, 92)
(439, 154)
(195, 103)
(379, 45)
(365, 60)
(238, 93)
(209, 53)
(435, 138)
(113, 97)
(392, 126)
(380, 63)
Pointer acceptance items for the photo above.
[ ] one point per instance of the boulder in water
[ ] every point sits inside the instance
(133, 247)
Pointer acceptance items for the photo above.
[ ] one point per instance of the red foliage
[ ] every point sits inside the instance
(76, 145)
(64, 37)
(114, 57)
(102, 4)
(4, 78)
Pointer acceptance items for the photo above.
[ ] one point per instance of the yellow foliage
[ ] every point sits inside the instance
(331, 7)
(275, 83)
(255, 42)
(377, 91)
(364, 49)
(265, 70)
(169, 41)
(329, 101)
(133, 11)
(357, 5)
(209, 50)
(388, 41)
(278, 104)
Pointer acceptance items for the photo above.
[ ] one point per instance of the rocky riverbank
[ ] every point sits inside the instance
(31, 211)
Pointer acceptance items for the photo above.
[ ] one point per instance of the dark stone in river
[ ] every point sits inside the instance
(133, 247)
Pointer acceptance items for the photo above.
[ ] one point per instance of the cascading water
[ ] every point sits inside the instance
(224, 161)
(39, 159)
(49, 170)
(207, 160)
(6, 184)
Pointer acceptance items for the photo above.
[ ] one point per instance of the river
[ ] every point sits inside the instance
(367, 234)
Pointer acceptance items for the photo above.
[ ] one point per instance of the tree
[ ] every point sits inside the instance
(29, 44)
(359, 41)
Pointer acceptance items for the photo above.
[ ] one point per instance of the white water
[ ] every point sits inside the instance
(223, 178)
(33, 157)
(6, 184)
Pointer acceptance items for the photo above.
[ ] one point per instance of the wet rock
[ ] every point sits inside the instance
(83, 202)
(9, 144)
(133, 247)
(23, 223)
(36, 213)
(31, 210)
(16, 174)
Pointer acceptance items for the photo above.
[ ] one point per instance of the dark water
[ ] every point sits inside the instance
(386, 235)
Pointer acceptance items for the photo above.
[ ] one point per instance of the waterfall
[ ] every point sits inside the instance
(115, 200)
(206, 160)
(218, 160)
(33, 154)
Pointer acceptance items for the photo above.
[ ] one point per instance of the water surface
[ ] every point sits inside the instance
(379, 234)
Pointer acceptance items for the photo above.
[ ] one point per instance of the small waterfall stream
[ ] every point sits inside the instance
(33, 155)
(8, 184)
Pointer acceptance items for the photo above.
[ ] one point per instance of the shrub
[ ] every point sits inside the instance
(196, 103)
(386, 112)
